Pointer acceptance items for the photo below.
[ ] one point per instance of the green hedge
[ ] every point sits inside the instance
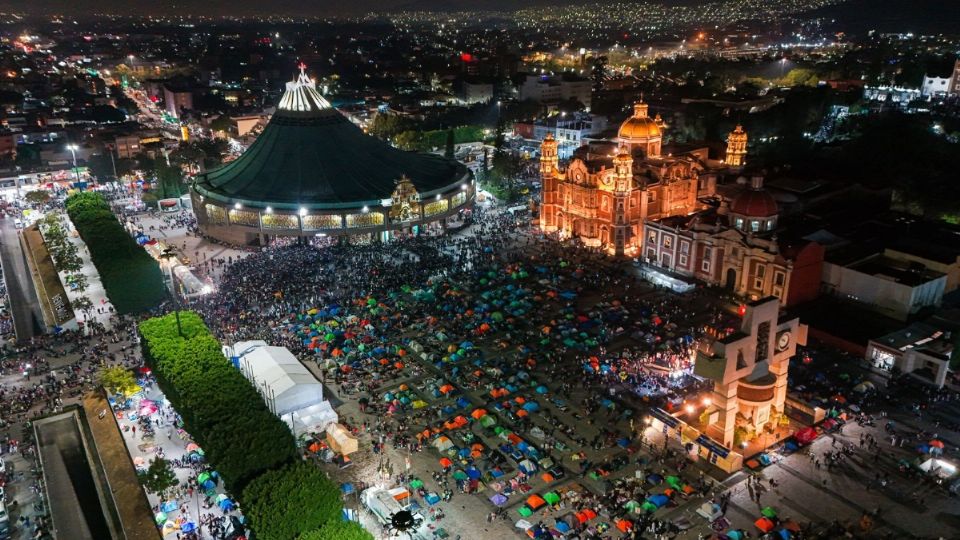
(220, 408)
(284, 503)
(131, 277)
(338, 530)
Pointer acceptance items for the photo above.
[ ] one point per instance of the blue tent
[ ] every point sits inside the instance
(654, 478)
(463, 402)
(659, 500)
(208, 484)
(562, 526)
(226, 505)
(542, 389)
(346, 488)
(473, 473)
(531, 406)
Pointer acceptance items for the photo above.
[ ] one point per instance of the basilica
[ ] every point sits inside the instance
(609, 188)
(626, 197)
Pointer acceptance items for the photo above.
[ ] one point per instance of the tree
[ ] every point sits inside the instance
(159, 476)
(117, 379)
(169, 180)
(82, 303)
(288, 502)
(37, 196)
(78, 280)
(450, 147)
(338, 530)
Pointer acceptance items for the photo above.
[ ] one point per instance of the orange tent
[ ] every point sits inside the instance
(478, 413)
(446, 389)
(384, 361)
(520, 400)
(589, 513)
(315, 447)
(624, 525)
(475, 454)
(514, 438)
(401, 353)
(476, 446)
(522, 413)
(398, 365)
(535, 502)
(547, 477)
(445, 462)
(764, 524)
(404, 388)
(337, 352)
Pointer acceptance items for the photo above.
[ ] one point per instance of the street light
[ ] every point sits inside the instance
(166, 255)
(73, 152)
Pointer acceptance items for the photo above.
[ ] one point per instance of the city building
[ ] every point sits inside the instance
(475, 90)
(609, 188)
(569, 130)
(934, 86)
(177, 99)
(749, 373)
(892, 287)
(556, 88)
(8, 145)
(921, 349)
(312, 172)
(127, 146)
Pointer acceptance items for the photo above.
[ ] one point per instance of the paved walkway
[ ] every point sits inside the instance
(101, 309)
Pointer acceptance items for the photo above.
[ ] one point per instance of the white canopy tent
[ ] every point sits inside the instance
(287, 386)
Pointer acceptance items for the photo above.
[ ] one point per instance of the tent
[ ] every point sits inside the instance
(341, 440)
(805, 436)
(768, 512)
(764, 524)
(710, 511)
(498, 499)
(277, 373)
(659, 500)
(442, 443)
(551, 497)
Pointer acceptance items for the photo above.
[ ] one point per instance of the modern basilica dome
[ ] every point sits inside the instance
(312, 171)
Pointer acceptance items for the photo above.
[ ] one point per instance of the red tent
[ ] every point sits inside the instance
(805, 436)
(764, 524)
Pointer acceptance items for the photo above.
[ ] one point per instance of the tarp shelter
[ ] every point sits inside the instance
(805, 436)
(341, 440)
(764, 524)
(286, 385)
(312, 419)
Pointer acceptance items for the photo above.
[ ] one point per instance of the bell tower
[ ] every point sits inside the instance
(549, 177)
(736, 147)
(623, 166)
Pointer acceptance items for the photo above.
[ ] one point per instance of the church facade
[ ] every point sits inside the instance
(609, 189)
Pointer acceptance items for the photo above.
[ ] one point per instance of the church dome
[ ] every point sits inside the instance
(754, 202)
(639, 126)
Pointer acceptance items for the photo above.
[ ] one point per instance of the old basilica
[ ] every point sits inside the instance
(626, 197)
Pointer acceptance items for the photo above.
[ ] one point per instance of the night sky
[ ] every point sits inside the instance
(241, 7)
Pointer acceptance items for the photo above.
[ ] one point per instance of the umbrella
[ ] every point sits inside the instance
(160, 517)
(188, 527)
(203, 477)
(169, 527)
(936, 443)
(192, 447)
(459, 475)
(222, 497)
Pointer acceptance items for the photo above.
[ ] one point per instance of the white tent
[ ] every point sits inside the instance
(287, 386)
(312, 419)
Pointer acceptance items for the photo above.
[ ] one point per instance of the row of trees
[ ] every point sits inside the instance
(253, 450)
(131, 277)
(66, 257)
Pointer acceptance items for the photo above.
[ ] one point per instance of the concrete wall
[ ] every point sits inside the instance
(885, 296)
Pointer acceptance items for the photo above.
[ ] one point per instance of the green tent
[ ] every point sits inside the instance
(525, 511)
(769, 512)
(551, 497)
(649, 506)
(416, 484)
(459, 475)
(203, 477)
(488, 420)
(674, 482)
(631, 505)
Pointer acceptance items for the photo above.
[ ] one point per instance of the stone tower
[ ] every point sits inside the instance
(736, 147)
(549, 176)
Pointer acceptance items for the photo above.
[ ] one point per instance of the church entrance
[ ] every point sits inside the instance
(731, 279)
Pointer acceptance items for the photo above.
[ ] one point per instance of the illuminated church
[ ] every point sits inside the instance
(609, 188)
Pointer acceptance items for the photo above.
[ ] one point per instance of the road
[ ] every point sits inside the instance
(27, 317)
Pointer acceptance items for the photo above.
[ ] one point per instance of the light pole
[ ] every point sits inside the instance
(73, 152)
(166, 255)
